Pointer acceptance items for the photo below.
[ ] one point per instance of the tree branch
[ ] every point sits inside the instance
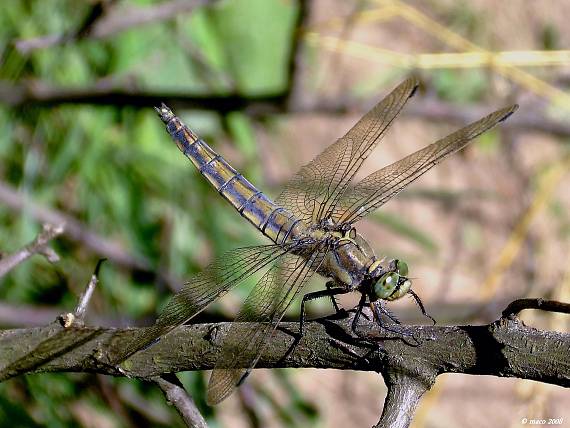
(404, 393)
(504, 348)
(106, 92)
(179, 398)
(37, 246)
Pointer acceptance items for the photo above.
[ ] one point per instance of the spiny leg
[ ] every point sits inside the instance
(330, 286)
(378, 309)
(329, 292)
(421, 305)
(354, 325)
(366, 341)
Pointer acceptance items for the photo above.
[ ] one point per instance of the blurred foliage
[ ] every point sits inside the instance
(472, 84)
(393, 222)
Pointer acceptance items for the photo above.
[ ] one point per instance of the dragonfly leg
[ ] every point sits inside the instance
(330, 286)
(364, 340)
(379, 309)
(329, 292)
(421, 305)
(354, 325)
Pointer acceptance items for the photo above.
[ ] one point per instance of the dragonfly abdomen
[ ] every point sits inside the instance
(274, 222)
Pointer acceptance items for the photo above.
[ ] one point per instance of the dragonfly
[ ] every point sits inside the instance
(311, 226)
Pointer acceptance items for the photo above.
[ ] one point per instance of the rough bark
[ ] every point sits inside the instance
(505, 348)
(409, 360)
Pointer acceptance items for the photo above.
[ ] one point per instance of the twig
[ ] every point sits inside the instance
(26, 46)
(80, 232)
(109, 93)
(404, 393)
(546, 305)
(112, 21)
(79, 312)
(295, 89)
(37, 246)
(179, 398)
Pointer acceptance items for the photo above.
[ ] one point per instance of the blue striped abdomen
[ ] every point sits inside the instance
(273, 221)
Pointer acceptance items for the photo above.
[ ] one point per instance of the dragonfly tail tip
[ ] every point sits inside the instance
(164, 112)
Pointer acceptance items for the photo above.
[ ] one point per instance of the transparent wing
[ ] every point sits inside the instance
(315, 189)
(262, 311)
(205, 287)
(382, 185)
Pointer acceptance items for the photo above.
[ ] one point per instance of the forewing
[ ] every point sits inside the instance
(379, 187)
(262, 311)
(205, 287)
(313, 192)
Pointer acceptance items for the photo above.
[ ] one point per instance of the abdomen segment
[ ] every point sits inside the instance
(274, 222)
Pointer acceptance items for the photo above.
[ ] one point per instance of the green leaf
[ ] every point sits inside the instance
(257, 38)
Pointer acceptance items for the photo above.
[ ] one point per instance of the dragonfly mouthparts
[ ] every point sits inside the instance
(164, 113)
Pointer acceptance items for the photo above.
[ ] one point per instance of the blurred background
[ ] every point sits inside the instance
(269, 84)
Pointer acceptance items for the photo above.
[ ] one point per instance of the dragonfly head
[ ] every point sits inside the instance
(393, 283)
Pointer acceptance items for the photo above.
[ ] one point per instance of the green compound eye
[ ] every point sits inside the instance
(402, 267)
(386, 285)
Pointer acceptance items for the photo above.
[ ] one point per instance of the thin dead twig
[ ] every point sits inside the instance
(545, 305)
(79, 312)
(177, 396)
(105, 21)
(121, 93)
(38, 246)
(107, 92)
(80, 232)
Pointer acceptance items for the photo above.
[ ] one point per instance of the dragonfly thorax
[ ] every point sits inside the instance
(351, 263)
(349, 257)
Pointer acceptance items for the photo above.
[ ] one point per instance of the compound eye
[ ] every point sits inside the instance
(402, 267)
(386, 285)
